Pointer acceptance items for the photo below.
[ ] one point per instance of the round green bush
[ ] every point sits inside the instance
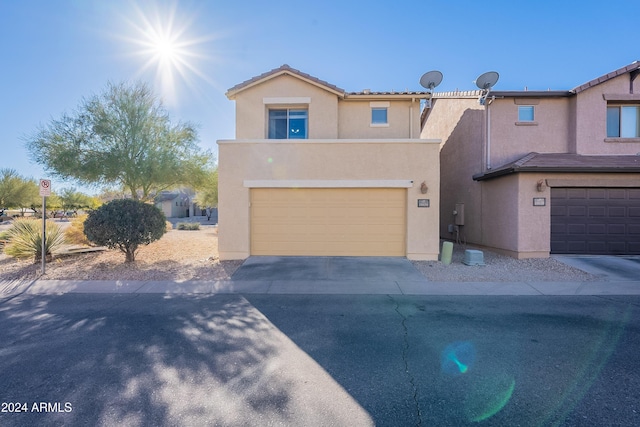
(125, 224)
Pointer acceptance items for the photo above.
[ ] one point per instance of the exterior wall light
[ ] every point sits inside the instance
(540, 186)
(424, 188)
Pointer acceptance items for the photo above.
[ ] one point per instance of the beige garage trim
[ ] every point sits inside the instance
(328, 221)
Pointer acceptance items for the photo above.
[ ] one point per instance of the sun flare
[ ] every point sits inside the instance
(164, 45)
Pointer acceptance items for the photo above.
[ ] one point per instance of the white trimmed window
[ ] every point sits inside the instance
(623, 121)
(379, 113)
(526, 113)
(288, 123)
(379, 116)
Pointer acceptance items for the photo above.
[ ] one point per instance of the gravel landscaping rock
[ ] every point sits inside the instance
(179, 255)
(500, 268)
(193, 255)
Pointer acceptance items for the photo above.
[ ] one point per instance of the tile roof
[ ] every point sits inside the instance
(288, 70)
(283, 69)
(564, 162)
(635, 65)
(369, 93)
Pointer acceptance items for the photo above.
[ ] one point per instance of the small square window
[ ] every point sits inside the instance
(379, 116)
(525, 113)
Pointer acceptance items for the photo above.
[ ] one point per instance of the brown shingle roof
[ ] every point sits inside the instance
(564, 162)
(283, 69)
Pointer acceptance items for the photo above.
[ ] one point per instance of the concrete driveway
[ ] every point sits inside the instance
(361, 269)
(609, 267)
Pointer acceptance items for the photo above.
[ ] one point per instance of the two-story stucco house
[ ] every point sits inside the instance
(317, 171)
(531, 173)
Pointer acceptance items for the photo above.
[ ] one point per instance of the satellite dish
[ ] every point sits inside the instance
(431, 79)
(487, 80)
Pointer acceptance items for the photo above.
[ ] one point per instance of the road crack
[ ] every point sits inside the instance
(405, 352)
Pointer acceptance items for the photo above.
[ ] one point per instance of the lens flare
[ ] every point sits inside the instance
(458, 358)
(489, 397)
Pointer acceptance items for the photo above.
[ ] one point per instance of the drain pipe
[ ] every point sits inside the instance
(488, 135)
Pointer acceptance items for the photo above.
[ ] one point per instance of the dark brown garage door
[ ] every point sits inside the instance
(595, 221)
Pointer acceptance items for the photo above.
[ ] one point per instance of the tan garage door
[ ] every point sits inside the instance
(328, 221)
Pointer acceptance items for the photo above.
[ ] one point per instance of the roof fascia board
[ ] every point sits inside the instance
(558, 169)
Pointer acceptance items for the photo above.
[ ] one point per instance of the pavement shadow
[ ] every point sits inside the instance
(156, 360)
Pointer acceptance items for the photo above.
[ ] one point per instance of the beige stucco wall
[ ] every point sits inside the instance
(348, 160)
(252, 113)
(591, 120)
(355, 119)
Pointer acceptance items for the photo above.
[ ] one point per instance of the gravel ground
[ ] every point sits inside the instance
(193, 255)
(179, 255)
(499, 268)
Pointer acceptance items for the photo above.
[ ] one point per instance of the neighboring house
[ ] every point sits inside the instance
(531, 173)
(317, 171)
(174, 204)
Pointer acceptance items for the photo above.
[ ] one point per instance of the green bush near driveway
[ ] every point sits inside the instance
(125, 224)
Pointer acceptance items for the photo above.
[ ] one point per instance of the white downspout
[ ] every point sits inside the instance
(411, 119)
(488, 135)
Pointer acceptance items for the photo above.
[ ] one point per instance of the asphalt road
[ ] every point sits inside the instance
(233, 360)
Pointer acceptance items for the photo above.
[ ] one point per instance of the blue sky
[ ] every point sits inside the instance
(55, 52)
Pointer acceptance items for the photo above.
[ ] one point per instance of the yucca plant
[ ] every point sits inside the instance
(25, 239)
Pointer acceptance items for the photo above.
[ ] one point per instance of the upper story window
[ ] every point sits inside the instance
(623, 121)
(379, 116)
(379, 113)
(526, 113)
(288, 123)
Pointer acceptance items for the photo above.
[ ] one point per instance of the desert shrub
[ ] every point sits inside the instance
(169, 226)
(25, 239)
(75, 232)
(125, 224)
(188, 226)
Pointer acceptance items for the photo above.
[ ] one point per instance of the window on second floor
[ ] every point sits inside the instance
(288, 123)
(526, 113)
(623, 121)
(379, 116)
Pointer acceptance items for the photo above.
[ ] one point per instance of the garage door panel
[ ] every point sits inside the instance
(595, 220)
(576, 193)
(324, 222)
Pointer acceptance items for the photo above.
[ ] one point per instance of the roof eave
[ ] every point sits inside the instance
(557, 169)
(284, 70)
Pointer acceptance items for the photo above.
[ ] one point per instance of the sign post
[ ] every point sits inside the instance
(45, 191)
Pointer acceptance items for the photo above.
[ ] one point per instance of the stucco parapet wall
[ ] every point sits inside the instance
(330, 141)
(457, 94)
